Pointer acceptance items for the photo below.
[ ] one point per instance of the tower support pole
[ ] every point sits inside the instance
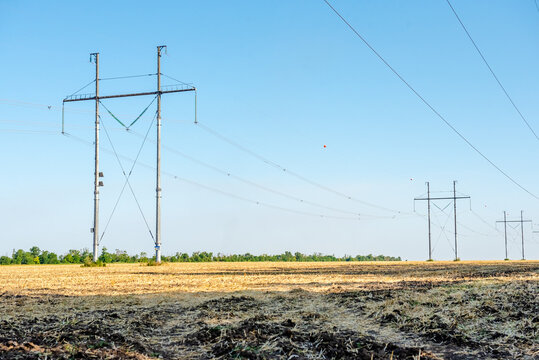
(158, 167)
(428, 207)
(95, 229)
(455, 217)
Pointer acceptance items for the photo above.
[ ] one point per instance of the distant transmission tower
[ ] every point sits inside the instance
(521, 221)
(454, 198)
(97, 174)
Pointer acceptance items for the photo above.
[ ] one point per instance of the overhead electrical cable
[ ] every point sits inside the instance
(42, 106)
(215, 190)
(256, 202)
(484, 221)
(259, 186)
(23, 131)
(55, 108)
(428, 104)
(126, 77)
(492, 71)
(238, 178)
(179, 81)
(290, 172)
(82, 88)
(228, 194)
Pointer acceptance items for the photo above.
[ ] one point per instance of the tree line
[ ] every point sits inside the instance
(37, 256)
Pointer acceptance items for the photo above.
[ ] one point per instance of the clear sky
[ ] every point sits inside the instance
(283, 79)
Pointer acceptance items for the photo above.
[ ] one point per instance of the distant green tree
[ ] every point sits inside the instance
(36, 256)
(76, 256)
(28, 258)
(35, 251)
(143, 257)
(287, 256)
(120, 256)
(18, 256)
(185, 257)
(48, 258)
(72, 257)
(87, 260)
(85, 253)
(105, 256)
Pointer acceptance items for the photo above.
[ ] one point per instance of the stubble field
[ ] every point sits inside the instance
(404, 310)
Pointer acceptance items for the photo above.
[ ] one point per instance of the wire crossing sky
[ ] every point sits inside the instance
(430, 106)
(281, 86)
(492, 72)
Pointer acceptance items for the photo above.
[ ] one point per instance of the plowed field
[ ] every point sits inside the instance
(404, 310)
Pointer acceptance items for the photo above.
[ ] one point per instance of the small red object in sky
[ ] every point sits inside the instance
(324, 146)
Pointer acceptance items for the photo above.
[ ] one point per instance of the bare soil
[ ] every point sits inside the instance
(467, 310)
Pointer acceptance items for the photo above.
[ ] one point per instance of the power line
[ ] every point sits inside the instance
(290, 172)
(259, 186)
(428, 104)
(238, 178)
(492, 71)
(84, 87)
(484, 221)
(111, 78)
(22, 131)
(274, 191)
(212, 189)
(35, 105)
(179, 81)
(126, 77)
(57, 108)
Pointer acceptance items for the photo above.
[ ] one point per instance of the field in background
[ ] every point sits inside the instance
(356, 310)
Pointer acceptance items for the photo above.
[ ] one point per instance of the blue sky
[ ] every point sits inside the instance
(282, 79)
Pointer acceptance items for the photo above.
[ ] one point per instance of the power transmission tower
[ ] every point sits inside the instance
(454, 198)
(521, 221)
(97, 174)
